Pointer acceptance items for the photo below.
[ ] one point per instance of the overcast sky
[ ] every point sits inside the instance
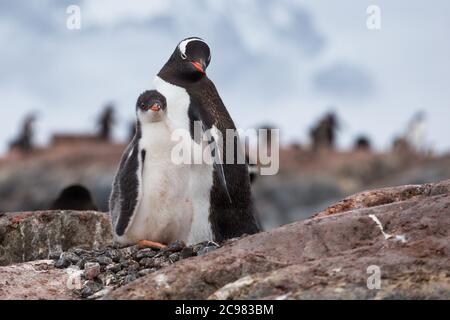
(279, 62)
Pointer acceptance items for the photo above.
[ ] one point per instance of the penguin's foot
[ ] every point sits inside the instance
(151, 244)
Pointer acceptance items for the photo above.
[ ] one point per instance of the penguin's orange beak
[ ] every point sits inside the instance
(198, 66)
(155, 107)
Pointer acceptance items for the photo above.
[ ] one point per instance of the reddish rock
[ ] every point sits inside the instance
(39, 235)
(326, 257)
(383, 196)
(36, 280)
(401, 232)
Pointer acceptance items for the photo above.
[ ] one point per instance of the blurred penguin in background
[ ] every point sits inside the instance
(362, 143)
(24, 141)
(323, 134)
(74, 197)
(106, 122)
(415, 134)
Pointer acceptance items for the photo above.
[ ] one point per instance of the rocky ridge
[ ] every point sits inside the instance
(399, 236)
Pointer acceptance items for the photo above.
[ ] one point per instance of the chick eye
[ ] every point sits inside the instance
(183, 56)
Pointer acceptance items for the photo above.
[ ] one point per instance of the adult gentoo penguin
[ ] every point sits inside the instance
(221, 194)
(150, 199)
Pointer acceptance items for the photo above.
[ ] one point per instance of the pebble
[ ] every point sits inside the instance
(133, 266)
(145, 272)
(147, 262)
(196, 248)
(130, 277)
(107, 278)
(205, 250)
(78, 251)
(104, 260)
(62, 263)
(176, 246)
(81, 263)
(91, 270)
(122, 273)
(174, 257)
(145, 253)
(90, 287)
(114, 254)
(129, 251)
(114, 266)
(158, 262)
(71, 257)
(187, 252)
(54, 255)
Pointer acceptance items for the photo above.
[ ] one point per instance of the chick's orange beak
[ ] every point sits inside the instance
(198, 66)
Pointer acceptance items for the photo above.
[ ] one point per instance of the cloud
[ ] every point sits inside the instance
(300, 57)
(343, 80)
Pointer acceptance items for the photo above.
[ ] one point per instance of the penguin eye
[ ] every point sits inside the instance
(142, 105)
(183, 56)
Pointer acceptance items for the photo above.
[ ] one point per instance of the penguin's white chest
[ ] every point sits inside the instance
(200, 180)
(165, 209)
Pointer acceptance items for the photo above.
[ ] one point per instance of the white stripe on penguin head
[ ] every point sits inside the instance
(183, 44)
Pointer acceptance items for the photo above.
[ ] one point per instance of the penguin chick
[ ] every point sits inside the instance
(150, 199)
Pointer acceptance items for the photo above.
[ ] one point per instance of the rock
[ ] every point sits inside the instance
(104, 260)
(114, 254)
(205, 250)
(187, 252)
(176, 246)
(402, 233)
(133, 265)
(174, 257)
(91, 270)
(81, 263)
(114, 267)
(35, 280)
(90, 287)
(62, 263)
(99, 294)
(109, 279)
(71, 257)
(399, 233)
(54, 255)
(145, 253)
(128, 252)
(130, 278)
(147, 262)
(145, 272)
(383, 196)
(122, 273)
(38, 235)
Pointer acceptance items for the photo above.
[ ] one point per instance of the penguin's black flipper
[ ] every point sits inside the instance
(218, 158)
(212, 134)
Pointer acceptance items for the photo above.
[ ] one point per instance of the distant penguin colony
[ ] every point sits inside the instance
(155, 199)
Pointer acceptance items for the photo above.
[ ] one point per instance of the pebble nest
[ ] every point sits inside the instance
(108, 268)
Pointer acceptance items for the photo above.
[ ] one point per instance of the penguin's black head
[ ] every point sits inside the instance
(151, 106)
(189, 60)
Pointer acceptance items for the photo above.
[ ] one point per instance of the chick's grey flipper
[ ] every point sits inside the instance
(126, 188)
